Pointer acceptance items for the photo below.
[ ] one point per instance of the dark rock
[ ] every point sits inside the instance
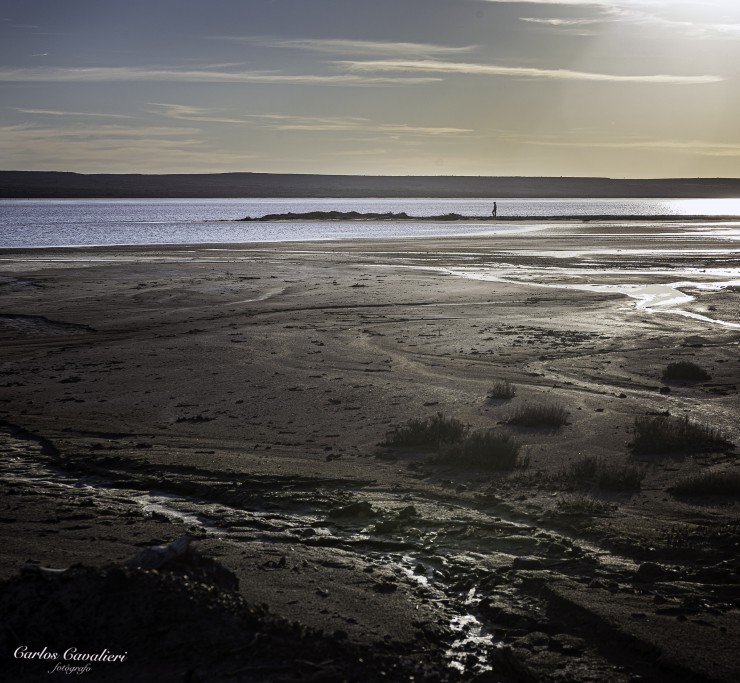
(505, 662)
(387, 526)
(356, 510)
(408, 512)
(567, 644)
(532, 640)
(527, 562)
(649, 572)
(715, 575)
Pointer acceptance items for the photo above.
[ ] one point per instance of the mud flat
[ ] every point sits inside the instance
(246, 397)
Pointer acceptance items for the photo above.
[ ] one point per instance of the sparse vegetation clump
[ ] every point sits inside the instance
(431, 431)
(501, 390)
(685, 371)
(584, 505)
(595, 472)
(624, 477)
(696, 538)
(550, 415)
(583, 470)
(666, 434)
(711, 483)
(483, 449)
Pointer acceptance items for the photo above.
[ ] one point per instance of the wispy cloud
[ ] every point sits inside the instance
(29, 131)
(661, 14)
(591, 3)
(692, 29)
(442, 67)
(354, 153)
(182, 112)
(577, 27)
(700, 147)
(118, 74)
(287, 122)
(73, 114)
(355, 47)
(91, 149)
(562, 22)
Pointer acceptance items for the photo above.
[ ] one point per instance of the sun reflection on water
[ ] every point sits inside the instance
(729, 206)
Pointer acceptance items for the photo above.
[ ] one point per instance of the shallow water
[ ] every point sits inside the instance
(91, 222)
(650, 296)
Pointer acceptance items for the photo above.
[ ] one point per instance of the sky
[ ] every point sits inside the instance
(614, 88)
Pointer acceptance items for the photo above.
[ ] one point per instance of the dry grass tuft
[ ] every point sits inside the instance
(685, 371)
(432, 431)
(501, 390)
(666, 434)
(550, 415)
(590, 471)
(711, 483)
(488, 450)
(584, 505)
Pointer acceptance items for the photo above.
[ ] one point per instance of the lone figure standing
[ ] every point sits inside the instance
(495, 210)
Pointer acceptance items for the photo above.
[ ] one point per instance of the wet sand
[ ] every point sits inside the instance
(242, 395)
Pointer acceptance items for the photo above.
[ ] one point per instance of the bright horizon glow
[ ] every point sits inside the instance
(708, 207)
(610, 88)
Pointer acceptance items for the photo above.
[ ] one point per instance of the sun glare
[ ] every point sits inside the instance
(708, 207)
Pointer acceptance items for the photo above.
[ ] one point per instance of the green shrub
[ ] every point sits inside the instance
(501, 390)
(485, 450)
(685, 371)
(540, 415)
(711, 483)
(665, 434)
(432, 431)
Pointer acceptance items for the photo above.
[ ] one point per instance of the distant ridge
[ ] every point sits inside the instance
(63, 185)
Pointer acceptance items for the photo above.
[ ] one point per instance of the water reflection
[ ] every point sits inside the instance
(706, 207)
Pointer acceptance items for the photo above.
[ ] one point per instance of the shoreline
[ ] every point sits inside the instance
(331, 216)
(243, 398)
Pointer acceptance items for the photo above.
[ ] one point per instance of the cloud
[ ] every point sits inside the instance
(182, 112)
(29, 131)
(153, 149)
(700, 147)
(562, 22)
(692, 29)
(661, 14)
(588, 3)
(608, 4)
(74, 114)
(372, 152)
(441, 67)
(578, 27)
(134, 74)
(289, 122)
(353, 47)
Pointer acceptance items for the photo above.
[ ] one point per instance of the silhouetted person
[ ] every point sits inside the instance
(495, 210)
